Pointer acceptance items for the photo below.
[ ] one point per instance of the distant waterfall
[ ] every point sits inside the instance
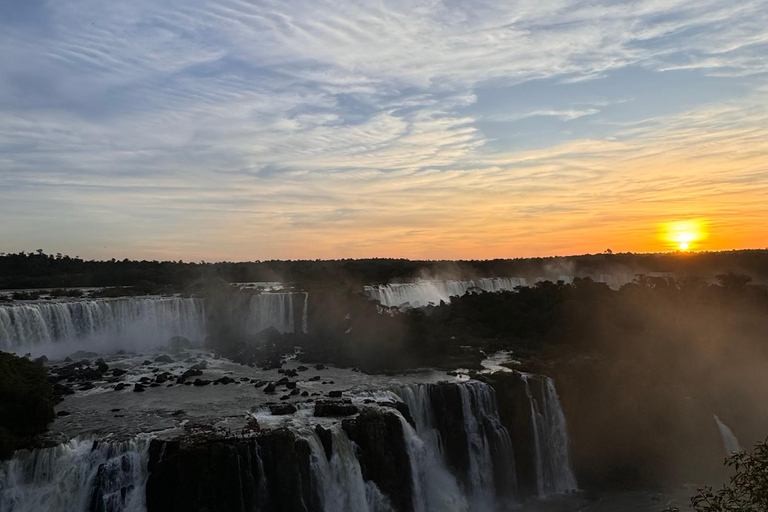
(77, 476)
(554, 474)
(277, 310)
(730, 443)
(103, 324)
(423, 293)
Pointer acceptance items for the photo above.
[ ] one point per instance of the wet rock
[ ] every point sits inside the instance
(192, 372)
(331, 408)
(282, 409)
(201, 382)
(290, 385)
(294, 392)
(326, 439)
(334, 394)
(117, 372)
(259, 383)
(202, 365)
(382, 454)
(315, 378)
(285, 397)
(319, 367)
(179, 343)
(102, 366)
(225, 380)
(86, 386)
(146, 362)
(162, 378)
(305, 393)
(401, 408)
(302, 368)
(270, 388)
(165, 358)
(138, 388)
(61, 414)
(82, 354)
(291, 373)
(282, 381)
(40, 361)
(121, 386)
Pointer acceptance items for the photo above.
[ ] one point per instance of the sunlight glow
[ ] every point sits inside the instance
(682, 235)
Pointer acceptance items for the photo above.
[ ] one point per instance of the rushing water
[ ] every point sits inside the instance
(730, 443)
(423, 293)
(77, 476)
(103, 325)
(278, 310)
(554, 474)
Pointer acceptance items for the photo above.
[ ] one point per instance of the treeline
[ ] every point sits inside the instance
(40, 270)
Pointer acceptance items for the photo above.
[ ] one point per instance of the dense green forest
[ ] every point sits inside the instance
(40, 270)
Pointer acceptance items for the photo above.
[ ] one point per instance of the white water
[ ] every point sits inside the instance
(554, 474)
(423, 293)
(276, 310)
(103, 325)
(339, 481)
(66, 478)
(438, 489)
(730, 443)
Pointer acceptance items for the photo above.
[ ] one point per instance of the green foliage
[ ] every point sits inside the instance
(747, 490)
(26, 402)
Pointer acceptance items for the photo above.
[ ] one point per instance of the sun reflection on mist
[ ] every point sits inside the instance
(683, 235)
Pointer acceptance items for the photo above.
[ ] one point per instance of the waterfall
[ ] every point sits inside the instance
(339, 481)
(488, 444)
(78, 476)
(554, 474)
(103, 324)
(271, 310)
(730, 443)
(276, 310)
(423, 293)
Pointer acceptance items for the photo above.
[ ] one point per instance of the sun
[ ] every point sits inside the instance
(682, 235)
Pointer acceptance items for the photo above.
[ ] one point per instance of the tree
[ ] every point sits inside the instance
(747, 490)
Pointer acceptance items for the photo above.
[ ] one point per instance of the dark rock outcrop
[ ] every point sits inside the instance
(330, 408)
(448, 416)
(269, 472)
(383, 456)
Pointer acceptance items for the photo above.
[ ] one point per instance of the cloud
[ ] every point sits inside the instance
(290, 128)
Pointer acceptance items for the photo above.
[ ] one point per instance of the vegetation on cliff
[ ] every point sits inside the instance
(26, 402)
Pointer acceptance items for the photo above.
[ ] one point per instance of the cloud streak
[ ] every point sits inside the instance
(237, 129)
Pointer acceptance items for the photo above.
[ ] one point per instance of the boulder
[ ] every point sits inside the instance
(165, 358)
(330, 408)
(282, 409)
(334, 394)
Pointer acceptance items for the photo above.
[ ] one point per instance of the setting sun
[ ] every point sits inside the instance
(682, 235)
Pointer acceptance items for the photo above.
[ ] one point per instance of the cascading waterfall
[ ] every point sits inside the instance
(103, 324)
(489, 450)
(730, 442)
(423, 293)
(339, 481)
(554, 474)
(276, 310)
(78, 476)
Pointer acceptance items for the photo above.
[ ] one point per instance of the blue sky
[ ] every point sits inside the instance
(238, 129)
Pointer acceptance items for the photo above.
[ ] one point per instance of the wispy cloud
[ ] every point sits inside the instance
(298, 128)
